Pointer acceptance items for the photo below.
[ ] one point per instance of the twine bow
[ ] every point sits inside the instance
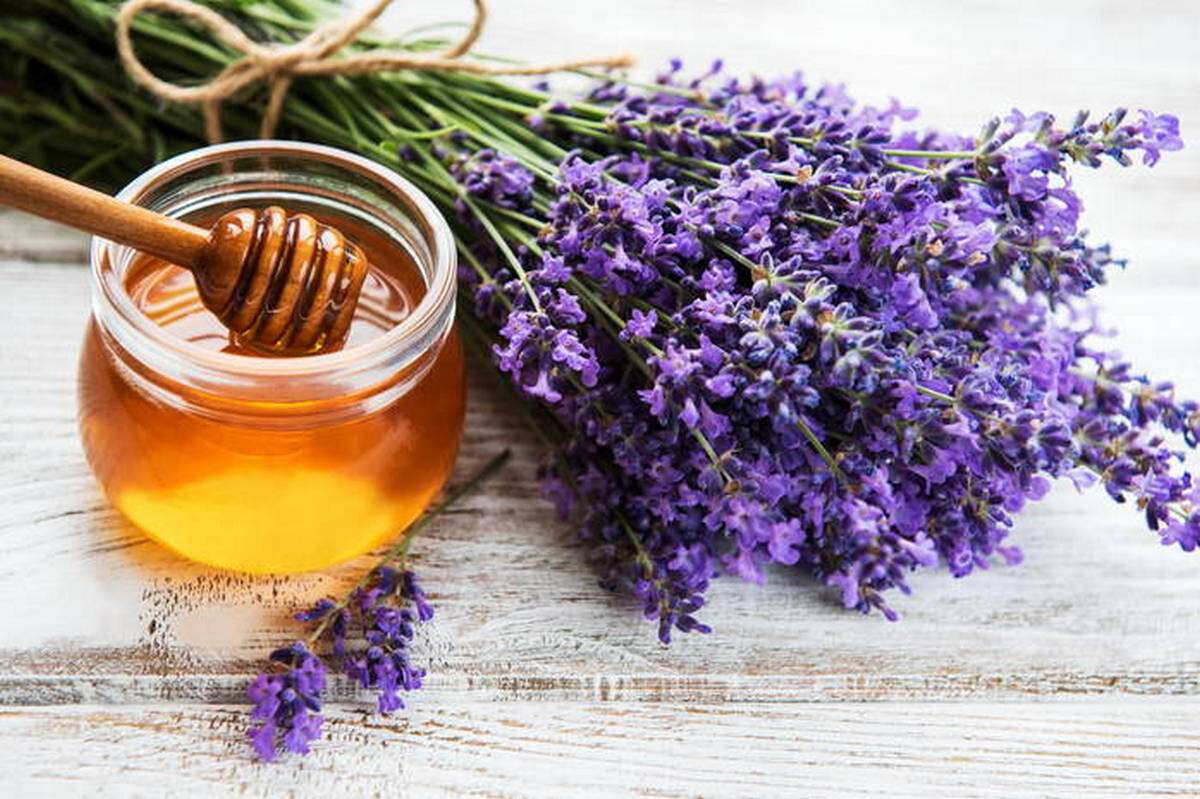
(279, 65)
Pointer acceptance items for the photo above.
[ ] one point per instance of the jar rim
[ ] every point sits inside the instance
(145, 337)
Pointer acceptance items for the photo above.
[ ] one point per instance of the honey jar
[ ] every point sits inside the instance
(275, 464)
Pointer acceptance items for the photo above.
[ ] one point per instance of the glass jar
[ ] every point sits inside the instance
(264, 464)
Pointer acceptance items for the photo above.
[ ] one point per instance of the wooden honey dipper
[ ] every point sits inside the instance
(282, 282)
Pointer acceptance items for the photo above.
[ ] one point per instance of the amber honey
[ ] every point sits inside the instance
(281, 471)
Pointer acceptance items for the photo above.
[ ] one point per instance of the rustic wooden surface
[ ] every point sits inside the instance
(1076, 674)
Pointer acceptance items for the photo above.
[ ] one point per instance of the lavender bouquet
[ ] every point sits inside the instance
(754, 321)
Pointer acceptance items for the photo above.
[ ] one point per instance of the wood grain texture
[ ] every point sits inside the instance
(570, 749)
(540, 683)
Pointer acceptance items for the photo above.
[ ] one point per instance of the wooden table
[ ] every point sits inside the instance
(122, 668)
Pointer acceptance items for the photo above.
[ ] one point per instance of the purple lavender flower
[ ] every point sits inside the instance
(494, 177)
(1027, 169)
(1159, 133)
(287, 705)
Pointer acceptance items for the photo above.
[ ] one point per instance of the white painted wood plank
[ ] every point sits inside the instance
(567, 750)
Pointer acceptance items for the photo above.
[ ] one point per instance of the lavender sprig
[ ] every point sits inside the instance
(859, 329)
(366, 636)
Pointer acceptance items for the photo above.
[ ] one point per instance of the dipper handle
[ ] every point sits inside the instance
(42, 194)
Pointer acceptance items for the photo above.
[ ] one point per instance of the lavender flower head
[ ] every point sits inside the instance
(287, 704)
(387, 630)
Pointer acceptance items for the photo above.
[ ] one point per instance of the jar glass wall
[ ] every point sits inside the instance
(267, 464)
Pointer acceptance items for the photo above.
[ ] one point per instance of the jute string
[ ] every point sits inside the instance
(315, 54)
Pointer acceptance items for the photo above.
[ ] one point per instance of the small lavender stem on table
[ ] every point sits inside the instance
(384, 605)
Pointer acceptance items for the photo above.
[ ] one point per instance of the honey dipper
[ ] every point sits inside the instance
(282, 282)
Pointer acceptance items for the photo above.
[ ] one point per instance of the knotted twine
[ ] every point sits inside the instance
(315, 54)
